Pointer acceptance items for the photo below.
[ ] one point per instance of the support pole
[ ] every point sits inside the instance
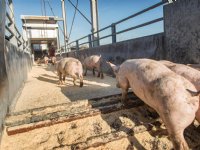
(77, 45)
(95, 22)
(64, 25)
(113, 31)
(58, 40)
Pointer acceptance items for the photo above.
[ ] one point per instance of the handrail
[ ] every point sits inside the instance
(15, 36)
(141, 25)
(141, 12)
(113, 26)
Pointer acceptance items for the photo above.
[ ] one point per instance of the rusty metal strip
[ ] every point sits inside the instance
(71, 117)
(32, 126)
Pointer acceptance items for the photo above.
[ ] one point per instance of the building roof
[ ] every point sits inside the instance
(40, 18)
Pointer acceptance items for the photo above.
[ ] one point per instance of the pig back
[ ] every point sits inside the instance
(92, 61)
(153, 82)
(61, 64)
(73, 67)
(187, 72)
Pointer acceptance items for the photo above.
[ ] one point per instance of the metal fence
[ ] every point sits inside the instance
(113, 28)
(12, 34)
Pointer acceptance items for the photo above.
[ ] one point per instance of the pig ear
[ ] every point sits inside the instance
(193, 93)
(114, 67)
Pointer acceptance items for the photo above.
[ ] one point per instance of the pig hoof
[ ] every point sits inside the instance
(81, 84)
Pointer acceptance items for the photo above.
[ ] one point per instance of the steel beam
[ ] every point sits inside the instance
(64, 25)
(95, 22)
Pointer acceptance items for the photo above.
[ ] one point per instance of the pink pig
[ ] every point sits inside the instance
(187, 72)
(72, 67)
(93, 62)
(174, 98)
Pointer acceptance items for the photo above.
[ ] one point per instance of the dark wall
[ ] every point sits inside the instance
(182, 31)
(14, 68)
(3, 73)
(144, 47)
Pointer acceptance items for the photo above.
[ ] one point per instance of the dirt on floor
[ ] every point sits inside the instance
(49, 116)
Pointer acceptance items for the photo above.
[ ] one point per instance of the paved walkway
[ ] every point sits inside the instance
(42, 89)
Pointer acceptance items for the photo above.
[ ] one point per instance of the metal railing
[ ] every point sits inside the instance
(12, 33)
(113, 27)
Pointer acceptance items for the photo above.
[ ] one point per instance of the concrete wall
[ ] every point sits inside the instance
(182, 31)
(14, 69)
(3, 73)
(14, 66)
(144, 47)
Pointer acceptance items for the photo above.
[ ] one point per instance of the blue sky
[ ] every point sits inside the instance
(110, 11)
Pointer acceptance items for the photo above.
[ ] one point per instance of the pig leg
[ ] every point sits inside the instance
(175, 127)
(63, 78)
(60, 78)
(98, 74)
(102, 75)
(124, 85)
(178, 141)
(93, 72)
(74, 78)
(85, 72)
(198, 114)
(81, 80)
(124, 96)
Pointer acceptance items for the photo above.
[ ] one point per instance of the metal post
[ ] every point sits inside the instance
(95, 22)
(90, 40)
(77, 45)
(58, 41)
(64, 25)
(28, 45)
(113, 29)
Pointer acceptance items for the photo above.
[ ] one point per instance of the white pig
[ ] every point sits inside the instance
(187, 72)
(72, 67)
(93, 62)
(173, 97)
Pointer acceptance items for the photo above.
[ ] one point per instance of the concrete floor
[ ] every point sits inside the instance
(42, 89)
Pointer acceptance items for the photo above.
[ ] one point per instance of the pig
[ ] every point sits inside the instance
(187, 72)
(195, 66)
(173, 97)
(46, 59)
(53, 60)
(72, 67)
(93, 62)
